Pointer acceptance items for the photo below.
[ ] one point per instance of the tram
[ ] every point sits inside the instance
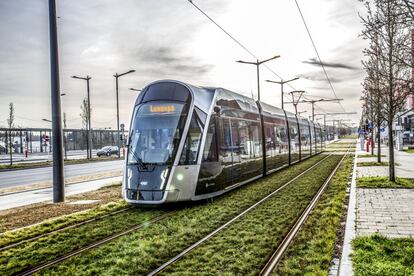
(188, 143)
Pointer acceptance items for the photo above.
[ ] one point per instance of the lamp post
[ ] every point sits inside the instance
(258, 63)
(282, 82)
(117, 108)
(89, 144)
(64, 128)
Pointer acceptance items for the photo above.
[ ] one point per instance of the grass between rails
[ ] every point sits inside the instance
(244, 247)
(29, 254)
(313, 248)
(142, 251)
(32, 165)
(378, 255)
(384, 182)
(58, 223)
(342, 145)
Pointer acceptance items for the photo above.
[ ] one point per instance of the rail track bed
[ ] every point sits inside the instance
(137, 241)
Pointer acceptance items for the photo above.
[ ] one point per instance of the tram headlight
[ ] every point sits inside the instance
(180, 176)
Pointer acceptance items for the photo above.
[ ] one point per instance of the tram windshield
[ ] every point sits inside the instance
(156, 132)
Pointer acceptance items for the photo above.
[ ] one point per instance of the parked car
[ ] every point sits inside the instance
(107, 151)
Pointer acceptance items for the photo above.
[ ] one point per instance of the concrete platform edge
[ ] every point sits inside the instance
(345, 265)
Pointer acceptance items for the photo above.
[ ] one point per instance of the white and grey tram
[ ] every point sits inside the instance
(188, 143)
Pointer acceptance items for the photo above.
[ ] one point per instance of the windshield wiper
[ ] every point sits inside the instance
(141, 165)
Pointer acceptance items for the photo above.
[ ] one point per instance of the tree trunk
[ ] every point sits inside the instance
(372, 140)
(379, 142)
(391, 152)
(11, 148)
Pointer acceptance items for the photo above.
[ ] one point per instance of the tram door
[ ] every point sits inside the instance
(226, 154)
(236, 149)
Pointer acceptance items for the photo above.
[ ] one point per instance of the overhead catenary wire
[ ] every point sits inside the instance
(317, 53)
(235, 40)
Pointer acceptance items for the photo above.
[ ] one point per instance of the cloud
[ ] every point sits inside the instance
(314, 61)
(319, 76)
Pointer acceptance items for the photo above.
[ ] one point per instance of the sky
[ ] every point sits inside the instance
(170, 39)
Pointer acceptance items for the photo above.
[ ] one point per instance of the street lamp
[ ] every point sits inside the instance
(281, 82)
(134, 89)
(258, 63)
(89, 144)
(64, 128)
(117, 108)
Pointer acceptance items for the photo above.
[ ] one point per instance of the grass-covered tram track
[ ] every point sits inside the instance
(313, 249)
(244, 247)
(149, 246)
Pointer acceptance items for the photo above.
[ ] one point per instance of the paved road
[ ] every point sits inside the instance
(29, 176)
(42, 156)
(30, 197)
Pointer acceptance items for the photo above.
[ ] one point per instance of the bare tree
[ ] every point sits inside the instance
(85, 121)
(10, 124)
(387, 29)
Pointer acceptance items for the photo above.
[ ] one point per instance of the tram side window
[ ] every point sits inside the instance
(245, 143)
(210, 148)
(192, 142)
(225, 141)
(255, 138)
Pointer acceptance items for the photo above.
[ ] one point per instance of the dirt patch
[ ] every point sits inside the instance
(70, 180)
(42, 164)
(35, 213)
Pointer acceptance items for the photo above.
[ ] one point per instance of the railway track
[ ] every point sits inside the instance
(31, 239)
(64, 257)
(96, 244)
(278, 253)
(230, 222)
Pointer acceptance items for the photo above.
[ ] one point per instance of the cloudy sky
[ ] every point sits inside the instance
(170, 39)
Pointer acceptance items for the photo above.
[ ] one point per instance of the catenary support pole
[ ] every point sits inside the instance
(57, 142)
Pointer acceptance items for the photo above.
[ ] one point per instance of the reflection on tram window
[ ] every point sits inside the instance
(156, 132)
(192, 142)
(210, 148)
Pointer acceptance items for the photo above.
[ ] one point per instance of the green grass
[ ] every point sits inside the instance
(31, 165)
(159, 242)
(312, 249)
(378, 255)
(49, 225)
(353, 136)
(244, 247)
(409, 150)
(368, 164)
(369, 155)
(150, 245)
(384, 182)
(342, 145)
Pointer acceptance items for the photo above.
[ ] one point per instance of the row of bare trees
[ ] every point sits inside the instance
(388, 63)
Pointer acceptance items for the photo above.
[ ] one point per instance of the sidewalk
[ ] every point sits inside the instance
(386, 211)
(30, 197)
(404, 159)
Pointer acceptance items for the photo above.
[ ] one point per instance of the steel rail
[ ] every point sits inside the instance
(92, 246)
(278, 253)
(222, 227)
(6, 247)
